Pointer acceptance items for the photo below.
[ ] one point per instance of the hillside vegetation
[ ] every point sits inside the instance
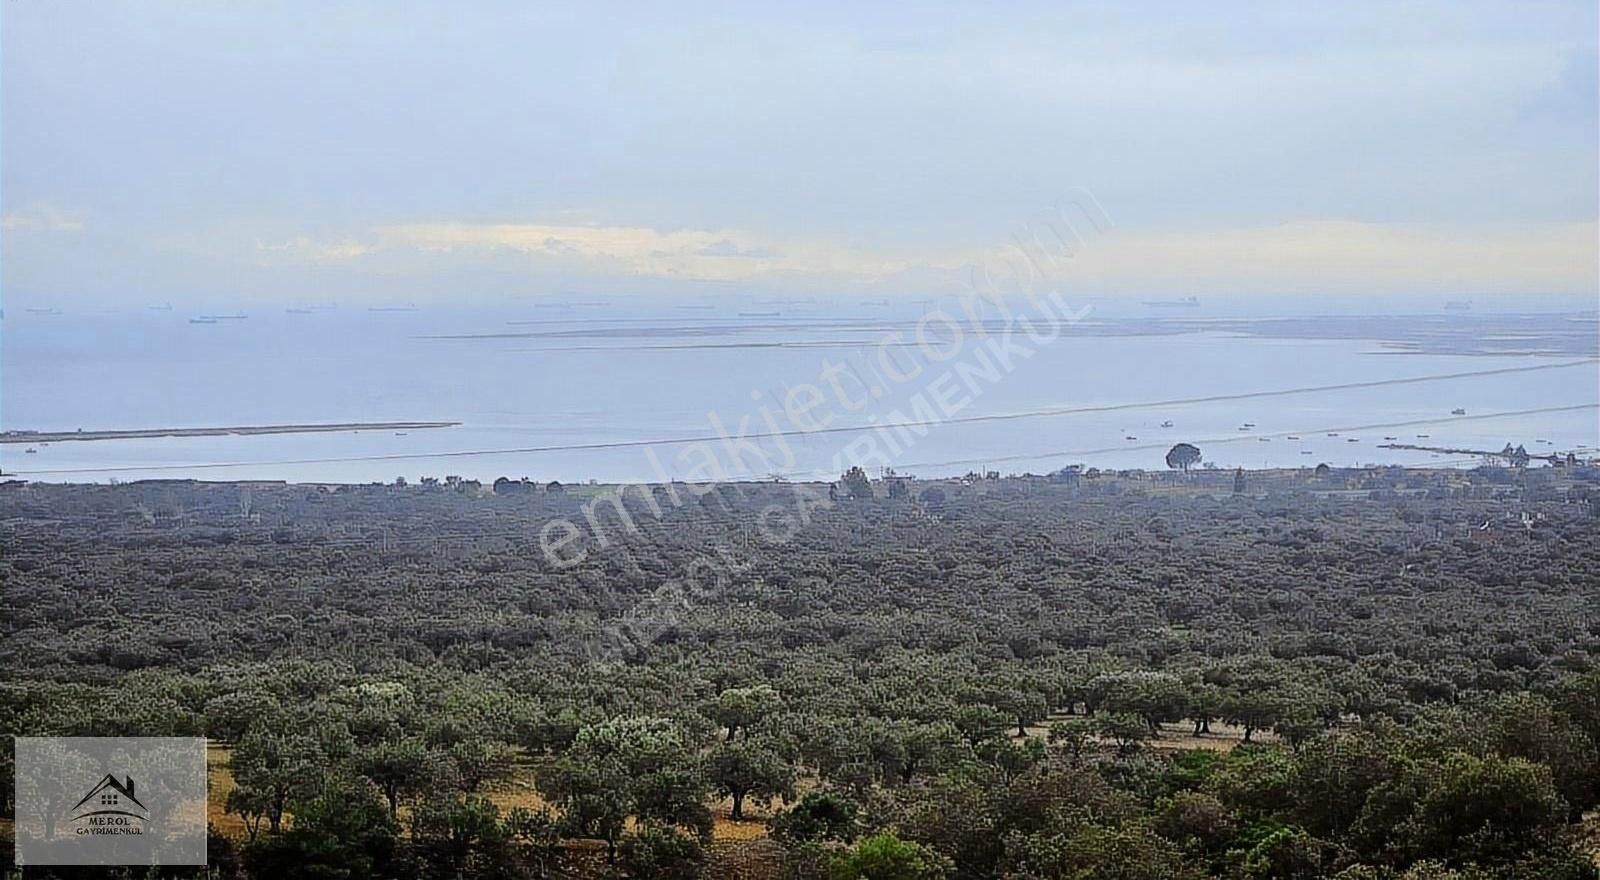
(1359, 674)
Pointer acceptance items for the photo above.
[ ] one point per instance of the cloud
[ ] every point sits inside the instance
(304, 249)
(720, 143)
(1340, 256)
(1307, 257)
(712, 255)
(726, 248)
(42, 218)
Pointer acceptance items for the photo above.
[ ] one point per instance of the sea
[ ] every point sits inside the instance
(580, 390)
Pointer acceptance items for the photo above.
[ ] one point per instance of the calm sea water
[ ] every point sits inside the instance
(587, 374)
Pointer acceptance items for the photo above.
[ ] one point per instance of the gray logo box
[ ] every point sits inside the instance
(102, 800)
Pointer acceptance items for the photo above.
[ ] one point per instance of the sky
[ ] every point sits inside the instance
(437, 152)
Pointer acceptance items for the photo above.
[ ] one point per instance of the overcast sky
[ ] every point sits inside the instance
(433, 151)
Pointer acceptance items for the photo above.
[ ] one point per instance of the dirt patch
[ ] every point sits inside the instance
(518, 791)
(744, 860)
(1173, 737)
(219, 781)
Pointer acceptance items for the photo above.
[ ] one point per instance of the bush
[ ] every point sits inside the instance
(887, 857)
(820, 815)
(659, 852)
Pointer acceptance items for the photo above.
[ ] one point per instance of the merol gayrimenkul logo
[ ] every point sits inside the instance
(109, 808)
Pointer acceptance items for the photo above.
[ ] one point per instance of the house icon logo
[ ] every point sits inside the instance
(110, 807)
(109, 800)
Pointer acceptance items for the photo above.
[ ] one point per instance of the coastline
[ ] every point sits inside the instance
(147, 433)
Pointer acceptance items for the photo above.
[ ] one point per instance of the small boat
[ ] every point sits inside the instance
(1391, 438)
(1422, 436)
(1292, 437)
(1352, 439)
(1458, 411)
(400, 433)
(29, 451)
(1264, 439)
(1167, 423)
(1333, 433)
(1130, 437)
(1243, 428)
(1249, 424)
(1305, 452)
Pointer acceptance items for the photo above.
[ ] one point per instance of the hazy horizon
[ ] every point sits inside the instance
(372, 153)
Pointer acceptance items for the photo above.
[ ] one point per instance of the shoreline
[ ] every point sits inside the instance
(1196, 479)
(234, 430)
